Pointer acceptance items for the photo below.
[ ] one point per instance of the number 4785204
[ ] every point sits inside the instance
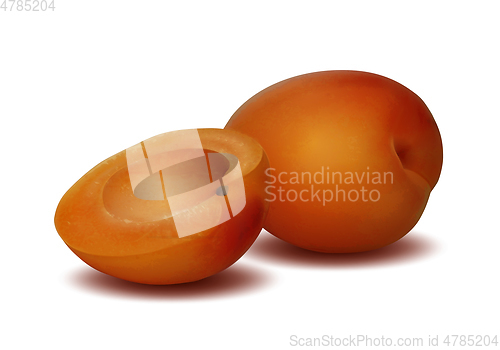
(27, 5)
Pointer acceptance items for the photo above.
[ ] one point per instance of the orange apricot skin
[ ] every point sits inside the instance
(346, 121)
(149, 252)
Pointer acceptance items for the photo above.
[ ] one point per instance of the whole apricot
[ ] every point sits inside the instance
(354, 157)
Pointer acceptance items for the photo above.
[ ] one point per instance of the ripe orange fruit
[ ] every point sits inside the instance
(354, 157)
(175, 208)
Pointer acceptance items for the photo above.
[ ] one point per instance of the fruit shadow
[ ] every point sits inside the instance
(412, 247)
(237, 279)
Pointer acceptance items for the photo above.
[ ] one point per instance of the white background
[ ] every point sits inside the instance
(92, 78)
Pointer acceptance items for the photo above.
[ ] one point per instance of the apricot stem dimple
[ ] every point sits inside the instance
(400, 152)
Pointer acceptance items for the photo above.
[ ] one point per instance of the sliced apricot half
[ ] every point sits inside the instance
(175, 208)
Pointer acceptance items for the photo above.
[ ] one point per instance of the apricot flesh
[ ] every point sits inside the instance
(354, 157)
(155, 213)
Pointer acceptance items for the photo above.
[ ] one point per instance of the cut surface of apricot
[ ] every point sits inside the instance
(175, 208)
